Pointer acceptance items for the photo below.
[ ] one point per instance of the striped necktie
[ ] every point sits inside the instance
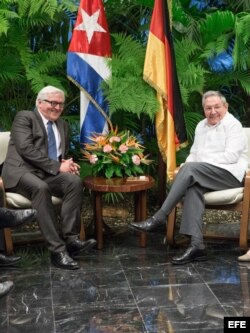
(52, 151)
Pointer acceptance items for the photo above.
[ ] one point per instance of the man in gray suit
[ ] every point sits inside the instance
(38, 168)
(217, 161)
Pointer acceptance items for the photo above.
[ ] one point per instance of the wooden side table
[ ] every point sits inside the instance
(100, 185)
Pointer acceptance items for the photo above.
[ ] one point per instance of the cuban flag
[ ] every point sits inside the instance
(87, 57)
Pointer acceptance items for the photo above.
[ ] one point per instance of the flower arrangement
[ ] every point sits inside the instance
(115, 154)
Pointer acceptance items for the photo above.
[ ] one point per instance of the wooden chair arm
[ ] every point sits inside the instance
(247, 180)
(176, 170)
(7, 231)
(2, 193)
(245, 213)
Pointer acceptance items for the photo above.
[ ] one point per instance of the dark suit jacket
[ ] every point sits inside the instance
(28, 148)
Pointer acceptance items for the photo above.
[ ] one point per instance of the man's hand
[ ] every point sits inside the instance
(69, 166)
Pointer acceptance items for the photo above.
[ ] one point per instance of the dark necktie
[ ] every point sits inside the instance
(52, 151)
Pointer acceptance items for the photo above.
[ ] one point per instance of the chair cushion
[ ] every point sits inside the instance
(16, 200)
(4, 140)
(224, 197)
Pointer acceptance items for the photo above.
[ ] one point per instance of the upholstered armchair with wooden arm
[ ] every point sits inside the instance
(237, 199)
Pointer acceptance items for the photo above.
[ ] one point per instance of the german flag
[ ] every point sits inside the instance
(160, 72)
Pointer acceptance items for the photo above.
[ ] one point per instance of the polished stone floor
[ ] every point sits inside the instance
(127, 289)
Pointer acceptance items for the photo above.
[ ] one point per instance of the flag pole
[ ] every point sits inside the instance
(162, 177)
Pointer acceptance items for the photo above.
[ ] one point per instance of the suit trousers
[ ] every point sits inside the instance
(193, 180)
(39, 191)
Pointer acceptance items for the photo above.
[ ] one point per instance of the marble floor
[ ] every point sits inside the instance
(126, 289)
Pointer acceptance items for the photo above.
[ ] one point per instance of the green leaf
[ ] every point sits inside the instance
(118, 172)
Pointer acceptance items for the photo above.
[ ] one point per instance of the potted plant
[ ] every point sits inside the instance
(115, 154)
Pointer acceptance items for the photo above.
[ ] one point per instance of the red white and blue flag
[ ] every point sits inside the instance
(87, 67)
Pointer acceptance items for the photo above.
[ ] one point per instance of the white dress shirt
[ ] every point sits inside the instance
(223, 145)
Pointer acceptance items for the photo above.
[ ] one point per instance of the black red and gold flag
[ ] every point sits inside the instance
(160, 72)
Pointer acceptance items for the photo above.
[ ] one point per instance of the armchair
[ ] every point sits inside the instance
(18, 201)
(237, 199)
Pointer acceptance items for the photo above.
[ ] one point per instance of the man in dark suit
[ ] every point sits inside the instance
(38, 168)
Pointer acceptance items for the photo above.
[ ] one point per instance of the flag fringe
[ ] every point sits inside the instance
(92, 101)
(183, 145)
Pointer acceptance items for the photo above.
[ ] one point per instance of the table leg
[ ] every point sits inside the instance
(98, 219)
(137, 198)
(8, 241)
(141, 213)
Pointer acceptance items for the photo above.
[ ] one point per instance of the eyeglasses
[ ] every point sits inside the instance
(54, 103)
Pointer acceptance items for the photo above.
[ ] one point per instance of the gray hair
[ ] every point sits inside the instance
(48, 90)
(213, 93)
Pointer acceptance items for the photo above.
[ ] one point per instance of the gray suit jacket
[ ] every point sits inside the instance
(28, 148)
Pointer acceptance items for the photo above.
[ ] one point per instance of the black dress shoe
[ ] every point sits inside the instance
(191, 254)
(8, 260)
(63, 260)
(5, 287)
(149, 225)
(76, 247)
(10, 218)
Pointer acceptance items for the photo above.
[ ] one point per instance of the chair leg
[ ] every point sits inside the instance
(82, 235)
(8, 241)
(170, 232)
(244, 228)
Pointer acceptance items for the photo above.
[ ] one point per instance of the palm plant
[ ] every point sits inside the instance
(200, 38)
(126, 90)
(32, 53)
(34, 41)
